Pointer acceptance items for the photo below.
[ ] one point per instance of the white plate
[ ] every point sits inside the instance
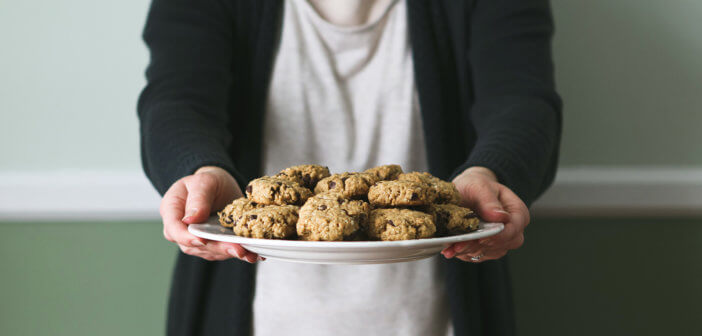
(343, 252)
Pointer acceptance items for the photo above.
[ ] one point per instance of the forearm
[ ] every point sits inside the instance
(184, 120)
(516, 113)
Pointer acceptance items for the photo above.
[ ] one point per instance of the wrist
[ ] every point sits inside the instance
(481, 172)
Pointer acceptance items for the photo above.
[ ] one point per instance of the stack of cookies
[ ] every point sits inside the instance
(382, 203)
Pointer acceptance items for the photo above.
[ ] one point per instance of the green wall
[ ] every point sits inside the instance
(630, 73)
(573, 277)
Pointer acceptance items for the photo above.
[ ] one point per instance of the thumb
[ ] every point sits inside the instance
(202, 189)
(485, 200)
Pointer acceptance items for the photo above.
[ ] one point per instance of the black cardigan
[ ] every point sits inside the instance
(485, 82)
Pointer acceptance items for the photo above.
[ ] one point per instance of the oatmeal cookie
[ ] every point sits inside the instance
(400, 193)
(453, 219)
(446, 192)
(350, 185)
(305, 175)
(234, 210)
(330, 216)
(271, 190)
(400, 224)
(269, 222)
(386, 172)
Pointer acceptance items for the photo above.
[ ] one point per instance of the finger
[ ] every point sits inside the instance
(172, 209)
(229, 250)
(460, 247)
(484, 256)
(195, 251)
(483, 197)
(202, 189)
(514, 229)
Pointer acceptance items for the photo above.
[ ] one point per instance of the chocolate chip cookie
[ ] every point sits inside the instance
(272, 190)
(386, 172)
(330, 216)
(446, 192)
(234, 210)
(269, 222)
(305, 175)
(400, 224)
(350, 185)
(400, 193)
(453, 219)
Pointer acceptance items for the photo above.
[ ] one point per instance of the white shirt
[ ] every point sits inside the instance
(345, 97)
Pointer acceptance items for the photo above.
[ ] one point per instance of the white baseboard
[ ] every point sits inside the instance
(623, 192)
(77, 195)
(577, 192)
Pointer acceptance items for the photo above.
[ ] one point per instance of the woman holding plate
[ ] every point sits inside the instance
(239, 89)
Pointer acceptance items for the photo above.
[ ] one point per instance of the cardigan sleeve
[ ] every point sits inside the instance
(516, 112)
(183, 108)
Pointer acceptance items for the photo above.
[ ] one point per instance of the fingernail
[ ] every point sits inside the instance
(190, 213)
(196, 243)
(261, 258)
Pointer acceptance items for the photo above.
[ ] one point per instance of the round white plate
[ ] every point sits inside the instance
(342, 252)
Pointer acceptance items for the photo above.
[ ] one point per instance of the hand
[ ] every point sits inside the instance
(493, 202)
(190, 200)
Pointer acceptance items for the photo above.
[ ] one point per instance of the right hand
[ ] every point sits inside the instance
(190, 200)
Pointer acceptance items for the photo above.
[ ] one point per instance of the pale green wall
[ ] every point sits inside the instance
(70, 74)
(572, 277)
(630, 72)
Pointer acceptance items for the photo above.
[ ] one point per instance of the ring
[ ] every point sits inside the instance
(477, 258)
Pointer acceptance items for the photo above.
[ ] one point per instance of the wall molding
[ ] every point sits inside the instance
(577, 192)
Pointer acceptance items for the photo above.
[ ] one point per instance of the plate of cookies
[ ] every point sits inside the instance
(382, 215)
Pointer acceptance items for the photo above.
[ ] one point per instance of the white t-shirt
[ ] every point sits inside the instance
(345, 97)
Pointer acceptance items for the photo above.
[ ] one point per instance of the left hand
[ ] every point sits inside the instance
(493, 202)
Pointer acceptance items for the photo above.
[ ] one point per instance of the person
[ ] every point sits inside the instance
(239, 89)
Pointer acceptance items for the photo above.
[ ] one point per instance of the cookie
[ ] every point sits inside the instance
(350, 185)
(400, 224)
(386, 172)
(305, 175)
(330, 216)
(452, 219)
(272, 190)
(234, 210)
(446, 192)
(400, 193)
(269, 222)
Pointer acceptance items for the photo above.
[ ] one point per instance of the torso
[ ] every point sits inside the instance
(345, 97)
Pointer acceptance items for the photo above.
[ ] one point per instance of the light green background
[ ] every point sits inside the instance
(573, 277)
(630, 73)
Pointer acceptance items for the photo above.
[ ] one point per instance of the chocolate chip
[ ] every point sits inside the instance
(306, 179)
(228, 219)
(279, 183)
(332, 184)
(249, 189)
(252, 217)
(391, 223)
(246, 225)
(322, 207)
(414, 197)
